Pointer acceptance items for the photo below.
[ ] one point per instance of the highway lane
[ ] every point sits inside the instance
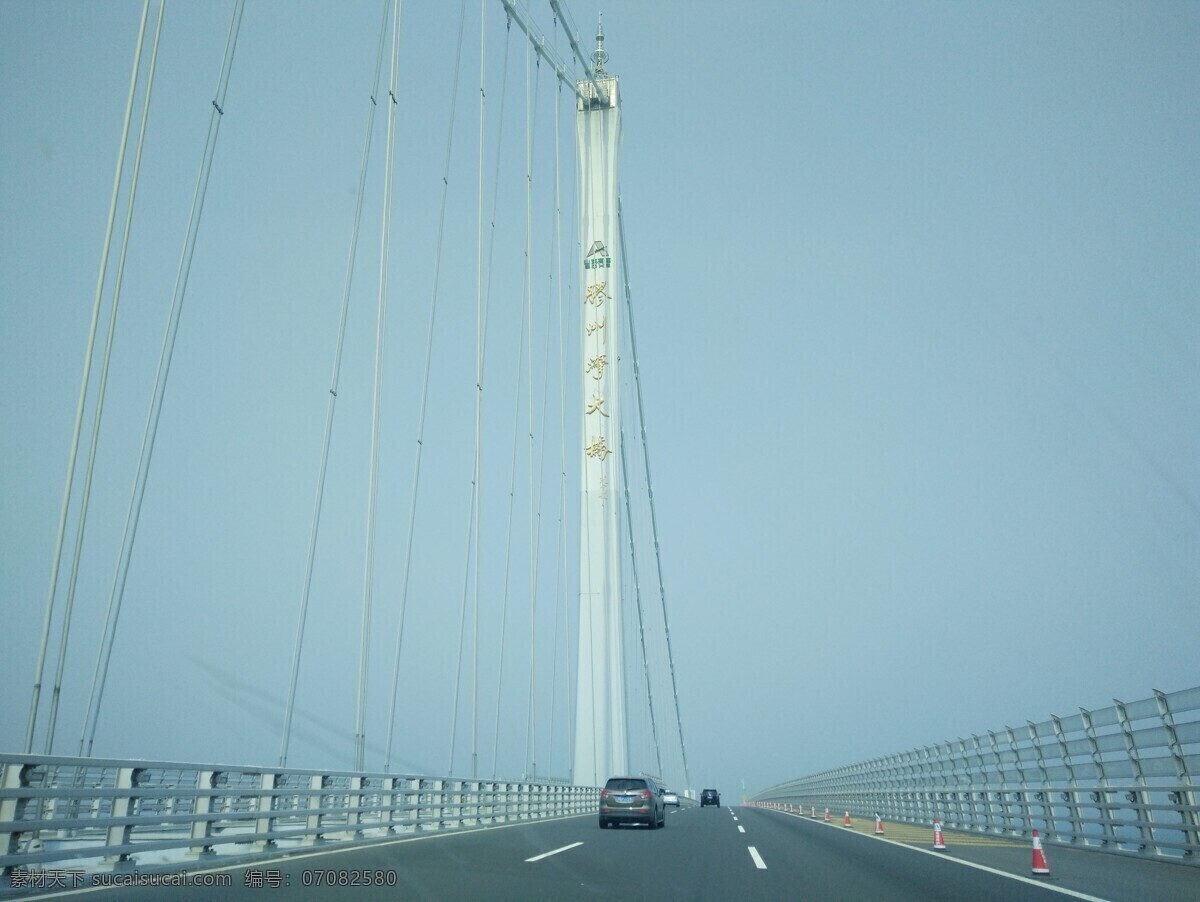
(703, 853)
(1075, 873)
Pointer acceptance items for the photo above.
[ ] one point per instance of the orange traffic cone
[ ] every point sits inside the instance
(1040, 865)
(938, 842)
(827, 815)
(878, 825)
(847, 824)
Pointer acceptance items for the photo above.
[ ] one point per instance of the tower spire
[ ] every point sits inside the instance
(600, 57)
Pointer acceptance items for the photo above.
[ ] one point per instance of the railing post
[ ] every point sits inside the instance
(354, 800)
(986, 789)
(1136, 797)
(452, 798)
(1022, 791)
(388, 803)
(1185, 797)
(476, 795)
(1099, 796)
(435, 811)
(412, 802)
(945, 776)
(1071, 797)
(10, 840)
(1043, 795)
(1002, 793)
(202, 826)
(266, 803)
(316, 801)
(123, 805)
(966, 812)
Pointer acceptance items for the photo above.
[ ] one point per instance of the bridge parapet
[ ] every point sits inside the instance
(109, 814)
(1119, 779)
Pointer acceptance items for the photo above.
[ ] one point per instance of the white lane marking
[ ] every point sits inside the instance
(758, 862)
(741, 829)
(554, 852)
(735, 820)
(979, 867)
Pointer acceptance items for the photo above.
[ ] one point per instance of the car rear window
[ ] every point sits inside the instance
(623, 785)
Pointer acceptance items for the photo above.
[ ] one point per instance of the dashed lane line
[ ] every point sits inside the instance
(554, 852)
(758, 862)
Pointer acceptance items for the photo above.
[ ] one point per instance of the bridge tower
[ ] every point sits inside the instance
(600, 727)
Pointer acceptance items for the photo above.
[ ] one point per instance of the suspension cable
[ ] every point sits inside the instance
(650, 486)
(101, 393)
(486, 309)
(569, 328)
(637, 595)
(560, 557)
(462, 623)
(483, 291)
(103, 385)
(166, 354)
(541, 451)
(480, 341)
(437, 263)
(530, 128)
(360, 738)
(512, 483)
(332, 402)
(87, 371)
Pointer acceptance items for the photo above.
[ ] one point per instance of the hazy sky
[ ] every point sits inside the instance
(916, 305)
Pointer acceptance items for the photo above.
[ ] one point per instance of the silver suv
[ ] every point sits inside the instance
(632, 800)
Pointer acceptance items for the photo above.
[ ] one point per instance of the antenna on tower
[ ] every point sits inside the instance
(600, 57)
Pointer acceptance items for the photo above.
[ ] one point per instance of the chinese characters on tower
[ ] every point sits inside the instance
(597, 263)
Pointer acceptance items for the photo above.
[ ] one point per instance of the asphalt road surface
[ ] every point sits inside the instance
(725, 853)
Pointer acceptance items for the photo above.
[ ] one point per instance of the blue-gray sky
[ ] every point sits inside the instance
(916, 301)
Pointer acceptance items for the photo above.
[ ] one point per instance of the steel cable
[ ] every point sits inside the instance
(104, 368)
(35, 700)
(332, 402)
(162, 373)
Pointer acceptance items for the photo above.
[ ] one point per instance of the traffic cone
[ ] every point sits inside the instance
(878, 825)
(827, 815)
(1040, 865)
(938, 842)
(847, 824)
(814, 811)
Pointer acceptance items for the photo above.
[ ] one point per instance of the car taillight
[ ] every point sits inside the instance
(604, 793)
(646, 794)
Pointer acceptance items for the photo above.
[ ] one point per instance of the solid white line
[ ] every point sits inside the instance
(979, 867)
(554, 852)
(741, 829)
(758, 862)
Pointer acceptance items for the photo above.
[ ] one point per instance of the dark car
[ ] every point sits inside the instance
(710, 797)
(632, 800)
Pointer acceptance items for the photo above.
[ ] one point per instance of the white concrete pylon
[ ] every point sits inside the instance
(600, 720)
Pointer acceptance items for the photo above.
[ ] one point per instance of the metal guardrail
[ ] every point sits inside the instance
(1120, 779)
(103, 814)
